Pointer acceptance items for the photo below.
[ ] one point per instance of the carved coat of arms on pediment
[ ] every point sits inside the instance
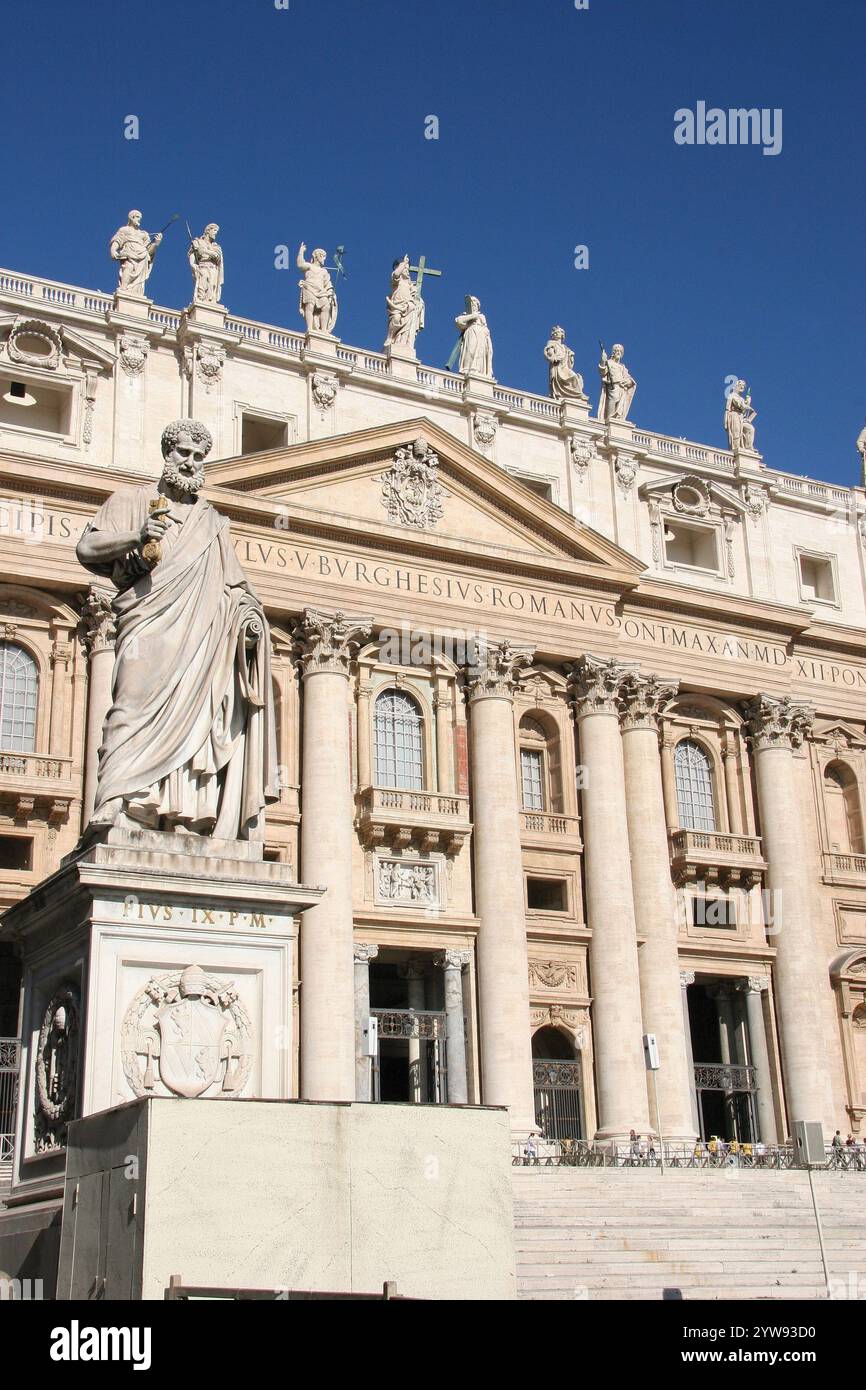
(411, 492)
(187, 1034)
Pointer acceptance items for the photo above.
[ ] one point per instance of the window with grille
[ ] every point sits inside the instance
(398, 742)
(697, 810)
(532, 774)
(18, 689)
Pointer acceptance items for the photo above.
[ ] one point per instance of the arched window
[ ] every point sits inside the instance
(842, 800)
(19, 683)
(533, 773)
(398, 741)
(695, 802)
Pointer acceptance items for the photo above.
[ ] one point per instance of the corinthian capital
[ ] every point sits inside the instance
(364, 951)
(642, 699)
(98, 624)
(329, 641)
(776, 723)
(597, 683)
(496, 669)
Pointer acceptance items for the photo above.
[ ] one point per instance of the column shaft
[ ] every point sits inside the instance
(615, 984)
(759, 1058)
(655, 903)
(455, 1027)
(327, 971)
(364, 952)
(503, 982)
(800, 970)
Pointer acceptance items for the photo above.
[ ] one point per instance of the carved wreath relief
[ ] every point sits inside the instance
(57, 1069)
(187, 1033)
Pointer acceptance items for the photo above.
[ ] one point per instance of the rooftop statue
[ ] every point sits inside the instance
(476, 345)
(861, 450)
(189, 741)
(206, 263)
(617, 385)
(564, 383)
(318, 303)
(405, 307)
(134, 249)
(739, 415)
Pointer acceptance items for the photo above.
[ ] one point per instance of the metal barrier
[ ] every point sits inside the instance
(539, 1152)
(10, 1067)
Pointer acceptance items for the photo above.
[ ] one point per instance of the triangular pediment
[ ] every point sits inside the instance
(363, 484)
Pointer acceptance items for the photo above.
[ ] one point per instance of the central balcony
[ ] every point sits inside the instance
(427, 820)
(550, 830)
(715, 856)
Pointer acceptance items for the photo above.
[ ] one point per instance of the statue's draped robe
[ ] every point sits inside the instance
(135, 262)
(617, 391)
(190, 734)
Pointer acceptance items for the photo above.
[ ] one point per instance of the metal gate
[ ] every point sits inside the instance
(10, 1066)
(558, 1105)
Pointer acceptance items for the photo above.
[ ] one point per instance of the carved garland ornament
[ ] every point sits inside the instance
(133, 351)
(324, 388)
(189, 1032)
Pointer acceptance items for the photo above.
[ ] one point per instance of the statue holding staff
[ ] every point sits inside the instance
(318, 302)
(134, 249)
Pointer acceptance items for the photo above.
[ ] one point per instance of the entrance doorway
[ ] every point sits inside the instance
(556, 1076)
(405, 997)
(725, 1082)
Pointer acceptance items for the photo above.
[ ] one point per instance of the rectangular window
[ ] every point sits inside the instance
(16, 853)
(546, 895)
(33, 405)
(816, 580)
(714, 912)
(259, 433)
(693, 546)
(532, 774)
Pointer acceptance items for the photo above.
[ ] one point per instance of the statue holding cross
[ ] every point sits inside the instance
(404, 303)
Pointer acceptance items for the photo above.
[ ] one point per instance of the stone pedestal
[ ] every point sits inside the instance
(208, 315)
(131, 306)
(403, 362)
(154, 964)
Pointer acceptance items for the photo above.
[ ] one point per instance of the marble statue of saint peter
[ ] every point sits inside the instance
(189, 740)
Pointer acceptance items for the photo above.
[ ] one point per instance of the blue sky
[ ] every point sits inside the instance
(555, 129)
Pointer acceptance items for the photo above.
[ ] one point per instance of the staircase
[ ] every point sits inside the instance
(616, 1233)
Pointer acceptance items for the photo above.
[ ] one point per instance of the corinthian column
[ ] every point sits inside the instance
(328, 642)
(98, 629)
(654, 899)
(503, 978)
(776, 728)
(616, 1008)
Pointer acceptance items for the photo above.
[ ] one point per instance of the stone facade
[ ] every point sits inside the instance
(627, 674)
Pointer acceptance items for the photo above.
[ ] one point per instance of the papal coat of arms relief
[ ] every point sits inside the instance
(187, 1034)
(411, 492)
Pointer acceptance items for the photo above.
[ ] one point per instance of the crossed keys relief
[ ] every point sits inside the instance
(190, 1032)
